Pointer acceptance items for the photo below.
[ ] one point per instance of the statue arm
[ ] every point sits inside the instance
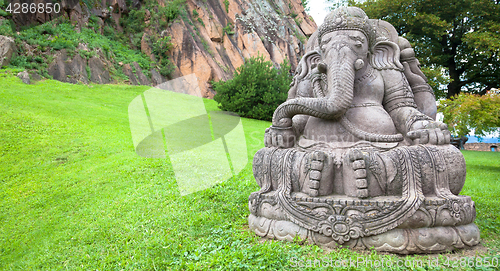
(423, 92)
(300, 88)
(399, 102)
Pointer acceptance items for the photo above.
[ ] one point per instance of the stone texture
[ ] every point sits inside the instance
(138, 77)
(35, 76)
(24, 76)
(400, 241)
(74, 70)
(7, 50)
(215, 30)
(361, 162)
(98, 71)
(127, 70)
(145, 47)
(482, 146)
(25, 19)
(68, 70)
(143, 80)
(156, 78)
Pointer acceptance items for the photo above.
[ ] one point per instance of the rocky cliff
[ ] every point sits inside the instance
(210, 38)
(224, 37)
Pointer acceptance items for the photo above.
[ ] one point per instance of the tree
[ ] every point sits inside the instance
(470, 111)
(461, 37)
(256, 89)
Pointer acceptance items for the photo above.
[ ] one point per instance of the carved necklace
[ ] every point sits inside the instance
(368, 75)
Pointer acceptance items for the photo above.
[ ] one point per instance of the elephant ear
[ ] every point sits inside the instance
(386, 56)
(308, 62)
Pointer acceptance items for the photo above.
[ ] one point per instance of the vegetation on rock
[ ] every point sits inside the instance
(56, 35)
(256, 89)
(97, 37)
(167, 38)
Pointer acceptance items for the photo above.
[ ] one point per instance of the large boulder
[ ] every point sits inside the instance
(65, 69)
(156, 78)
(71, 7)
(218, 37)
(143, 79)
(7, 50)
(135, 74)
(24, 76)
(98, 71)
(127, 70)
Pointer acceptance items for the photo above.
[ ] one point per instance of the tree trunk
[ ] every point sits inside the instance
(455, 85)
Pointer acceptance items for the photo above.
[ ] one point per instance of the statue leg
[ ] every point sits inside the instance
(370, 173)
(442, 170)
(363, 174)
(312, 172)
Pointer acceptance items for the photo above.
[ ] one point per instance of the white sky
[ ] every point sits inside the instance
(318, 10)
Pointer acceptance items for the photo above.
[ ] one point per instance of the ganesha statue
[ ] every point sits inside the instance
(355, 156)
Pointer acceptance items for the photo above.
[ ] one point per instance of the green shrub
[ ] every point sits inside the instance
(201, 21)
(172, 10)
(161, 47)
(167, 68)
(229, 29)
(6, 28)
(256, 89)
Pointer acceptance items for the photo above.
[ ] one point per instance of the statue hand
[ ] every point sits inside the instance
(281, 137)
(283, 123)
(429, 132)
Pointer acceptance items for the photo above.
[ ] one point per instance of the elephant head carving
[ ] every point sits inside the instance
(347, 43)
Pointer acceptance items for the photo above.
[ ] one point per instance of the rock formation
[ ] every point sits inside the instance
(211, 38)
(24, 76)
(222, 40)
(7, 50)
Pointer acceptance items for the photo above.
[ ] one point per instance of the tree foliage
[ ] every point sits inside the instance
(461, 37)
(256, 89)
(471, 111)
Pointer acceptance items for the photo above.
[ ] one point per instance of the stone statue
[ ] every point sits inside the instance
(355, 156)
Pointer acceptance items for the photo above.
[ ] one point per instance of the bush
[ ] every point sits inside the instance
(6, 28)
(256, 90)
(465, 111)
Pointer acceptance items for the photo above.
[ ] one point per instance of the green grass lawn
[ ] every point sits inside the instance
(75, 195)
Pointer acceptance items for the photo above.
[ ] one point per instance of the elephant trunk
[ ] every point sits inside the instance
(340, 79)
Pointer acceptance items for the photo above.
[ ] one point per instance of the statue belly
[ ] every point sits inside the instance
(330, 131)
(372, 119)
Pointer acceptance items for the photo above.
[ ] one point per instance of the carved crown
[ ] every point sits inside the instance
(348, 18)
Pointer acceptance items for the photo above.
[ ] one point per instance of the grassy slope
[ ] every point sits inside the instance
(73, 193)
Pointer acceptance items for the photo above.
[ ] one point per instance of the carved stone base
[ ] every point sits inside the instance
(400, 241)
